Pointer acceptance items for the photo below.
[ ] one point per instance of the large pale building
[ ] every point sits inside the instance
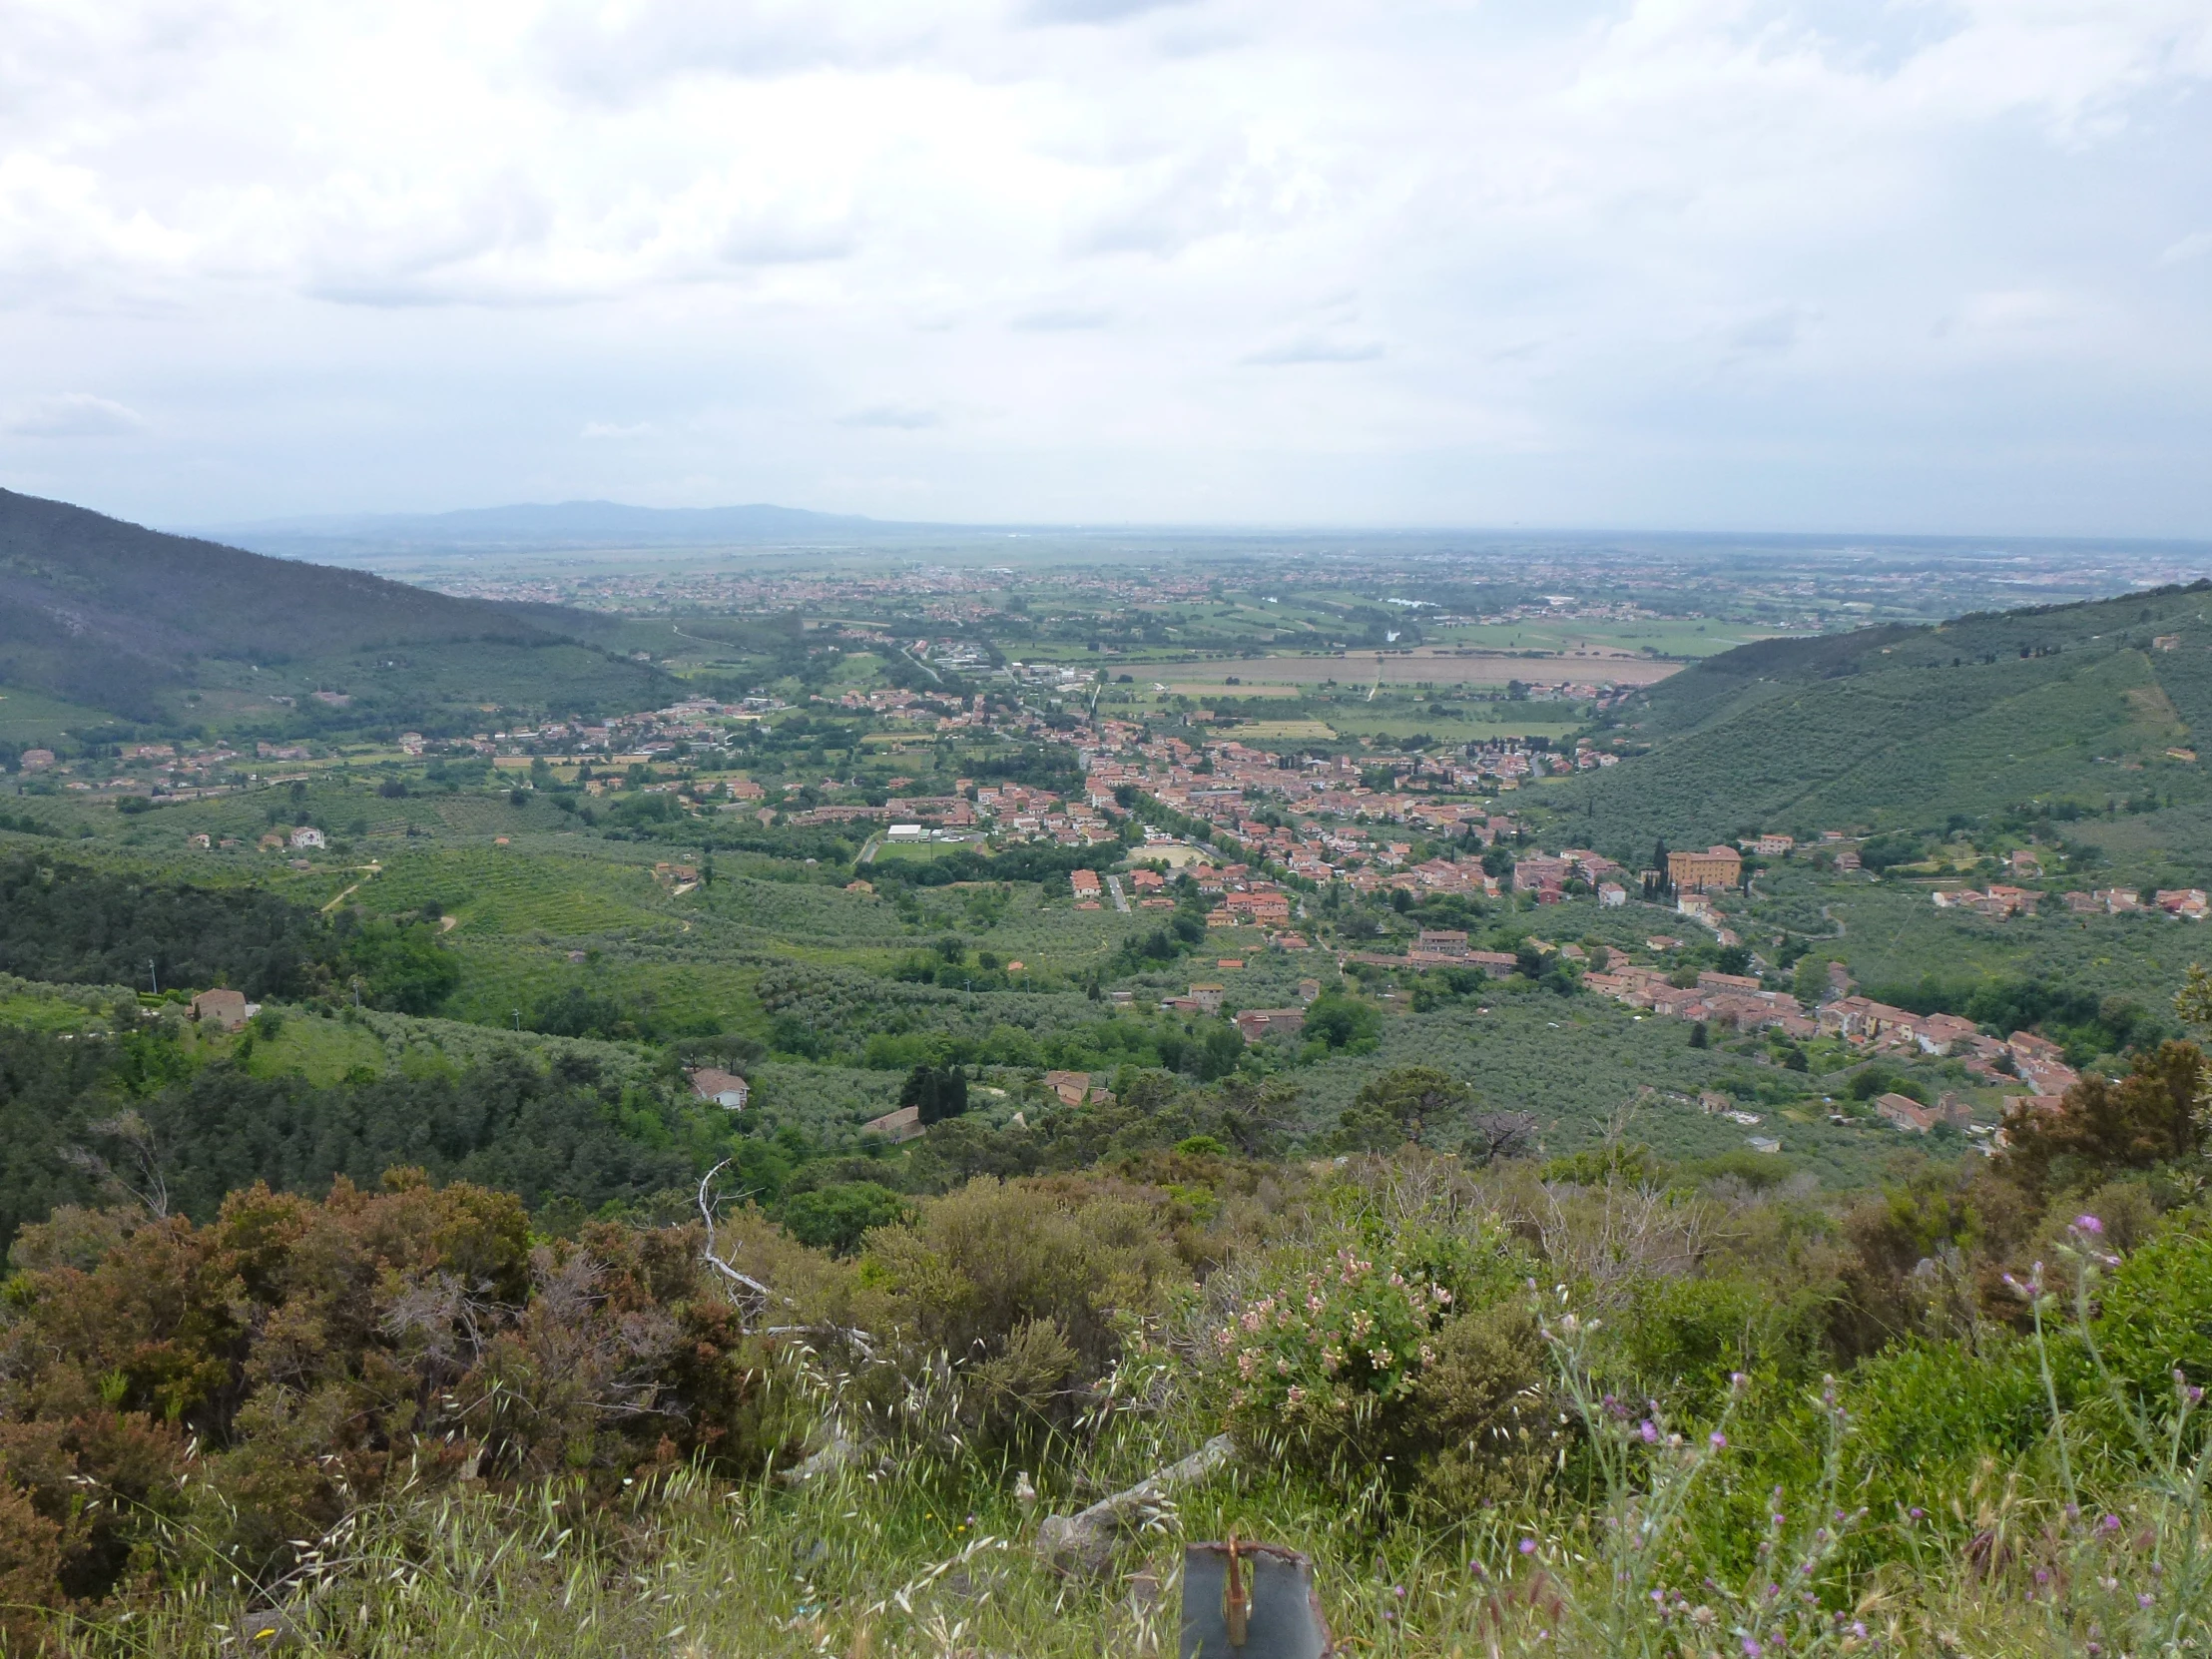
(1707, 871)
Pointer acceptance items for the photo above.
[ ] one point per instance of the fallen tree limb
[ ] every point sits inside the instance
(842, 1450)
(709, 1203)
(1084, 1541)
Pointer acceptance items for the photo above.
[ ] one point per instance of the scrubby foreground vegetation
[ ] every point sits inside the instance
(1588, 1405)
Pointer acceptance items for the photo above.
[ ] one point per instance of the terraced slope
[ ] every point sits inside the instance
(1903, 725)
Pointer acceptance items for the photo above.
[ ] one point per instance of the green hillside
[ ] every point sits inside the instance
(168, 630)
(1904, 727)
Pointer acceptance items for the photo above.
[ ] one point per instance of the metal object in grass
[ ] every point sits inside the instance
(1251, 1602)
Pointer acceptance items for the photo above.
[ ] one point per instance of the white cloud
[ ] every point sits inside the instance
(2194, 245)
(1314, 348)
(900, 417)
(1094, 11)
(1060, 319)
(1638, 261)
(72, 414)
(1772, 332)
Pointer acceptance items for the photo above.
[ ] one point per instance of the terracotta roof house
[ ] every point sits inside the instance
(1909, 1115)
(901, 1125)
(1257, 1023)
(1075, 1088)
(223, 1009)
(724, 1088)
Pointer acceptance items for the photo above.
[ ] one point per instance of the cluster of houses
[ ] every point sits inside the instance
(1997, 900)
(2187, 904)
(1009, 812)
(1730, 1001)
(1743, 1003)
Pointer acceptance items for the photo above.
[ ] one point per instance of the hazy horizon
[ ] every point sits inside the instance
(341, 523)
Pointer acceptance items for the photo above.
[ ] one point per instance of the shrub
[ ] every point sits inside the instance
(2157, 1311)
(256, 1378)
(1350, 1345)
(1410, 1103)
(1686, 1337)
(2147, 1118)
(977, 1272)
(1628, 1163)
(1922, 1406)
(839, 1217)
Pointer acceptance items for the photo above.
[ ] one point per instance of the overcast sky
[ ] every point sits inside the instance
(1691, 263)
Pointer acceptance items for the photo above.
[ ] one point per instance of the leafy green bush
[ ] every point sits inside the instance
(2156, 1310)
(1357, 1343)
(1683, 1338)
(839, 1217)
(1923, 1409)
(980, 1275)
(1417, 1104)
(1344, 1022)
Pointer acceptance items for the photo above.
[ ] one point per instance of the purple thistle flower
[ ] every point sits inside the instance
(1718, 1440)
(1528, 1547)
(2088, 1224)
(1649, 1432)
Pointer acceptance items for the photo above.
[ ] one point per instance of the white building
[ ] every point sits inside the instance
(724, 1088)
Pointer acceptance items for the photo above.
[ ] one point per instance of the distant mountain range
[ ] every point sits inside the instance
(163, 627)
(555, 525)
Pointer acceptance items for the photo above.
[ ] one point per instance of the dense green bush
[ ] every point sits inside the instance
(1383, 1337)
(2156, 1310)
(837, 1217)
(1024, 1287)
(248, 1382)
(1682, 1339)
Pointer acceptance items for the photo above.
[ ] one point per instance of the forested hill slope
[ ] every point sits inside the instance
(1901, 727)
(109, 614)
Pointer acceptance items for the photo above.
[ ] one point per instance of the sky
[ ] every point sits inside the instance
(1850, 265)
